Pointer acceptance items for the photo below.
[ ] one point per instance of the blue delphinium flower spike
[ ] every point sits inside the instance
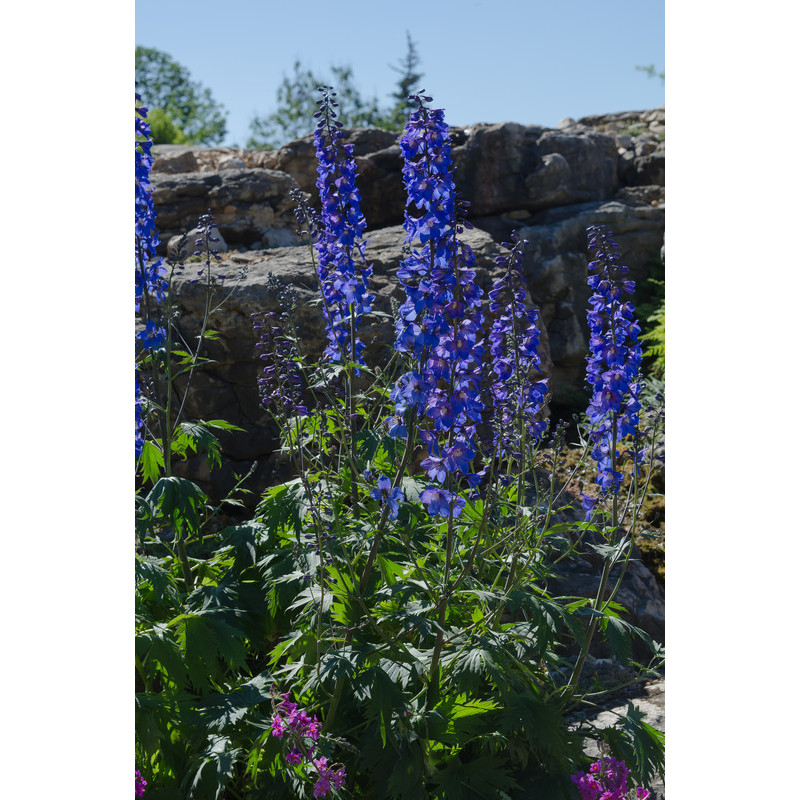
(615, 356)
(342, 270)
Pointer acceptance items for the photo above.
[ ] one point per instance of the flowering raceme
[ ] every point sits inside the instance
(149, 268)
(149, 282)
(342, 271)
(280, 384)
(615, 356)
(607, 779)
(291, 721)
(514, 358)
(440, 322)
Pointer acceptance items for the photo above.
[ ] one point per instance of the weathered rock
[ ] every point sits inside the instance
(249, 205)
(510, 167)
(556, 268)
(639, 136)
(506, 168)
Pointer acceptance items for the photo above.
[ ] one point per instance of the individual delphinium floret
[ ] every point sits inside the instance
(150, 283)
(338, 240)
(613, 363)
(518, 398)
(387, 495)
(440, 323)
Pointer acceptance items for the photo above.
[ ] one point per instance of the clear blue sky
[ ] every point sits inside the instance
(528, 61)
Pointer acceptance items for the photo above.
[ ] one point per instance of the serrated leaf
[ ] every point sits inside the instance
(638, 743)
(163, 584)
(180, 501)
(151, 461)
(218, 711)
(213, 767)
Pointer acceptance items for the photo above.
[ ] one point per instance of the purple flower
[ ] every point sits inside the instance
(439, 325)
(140, 784)
(388, 496)
(615, 355)
(342, 271)
(607, 779)
(150, 285)
(328, 777)
(280, 385)
(513, 349)
(439, 500)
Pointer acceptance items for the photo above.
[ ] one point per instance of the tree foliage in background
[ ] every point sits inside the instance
(651, 72)
(296, 103)
(407, 84)
(181, 111)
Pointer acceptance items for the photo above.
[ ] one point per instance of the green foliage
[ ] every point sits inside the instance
(296, 103)
(651, 72)
(164, 130)
(655, 338)
(180, 110)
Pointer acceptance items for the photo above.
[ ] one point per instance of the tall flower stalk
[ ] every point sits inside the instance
(342, 270)
(440, 323)
(612, 372)
(150, 283)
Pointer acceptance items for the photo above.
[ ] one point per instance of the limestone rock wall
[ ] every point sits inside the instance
(550, 184)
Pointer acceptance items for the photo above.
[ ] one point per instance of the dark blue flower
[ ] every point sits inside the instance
(388, 496)
(615, 355)
(150, 285)
(518, 395)
(439, 325)
(280, 385)
(439, 501)
(342, 270)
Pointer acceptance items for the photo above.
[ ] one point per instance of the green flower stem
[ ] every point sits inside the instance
(331, 715)
(385, 514)
(607, 564)
(433, 686)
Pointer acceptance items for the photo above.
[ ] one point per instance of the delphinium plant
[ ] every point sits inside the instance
(394, 594)
(414, 543)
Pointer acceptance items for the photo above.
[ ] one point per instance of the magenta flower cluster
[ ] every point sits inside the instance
(607, 779)
(302, 733)
(615, 355)
(140, 784)
(342, 271)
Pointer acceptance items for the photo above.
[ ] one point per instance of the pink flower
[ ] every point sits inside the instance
(277, 726)
(140, 784)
